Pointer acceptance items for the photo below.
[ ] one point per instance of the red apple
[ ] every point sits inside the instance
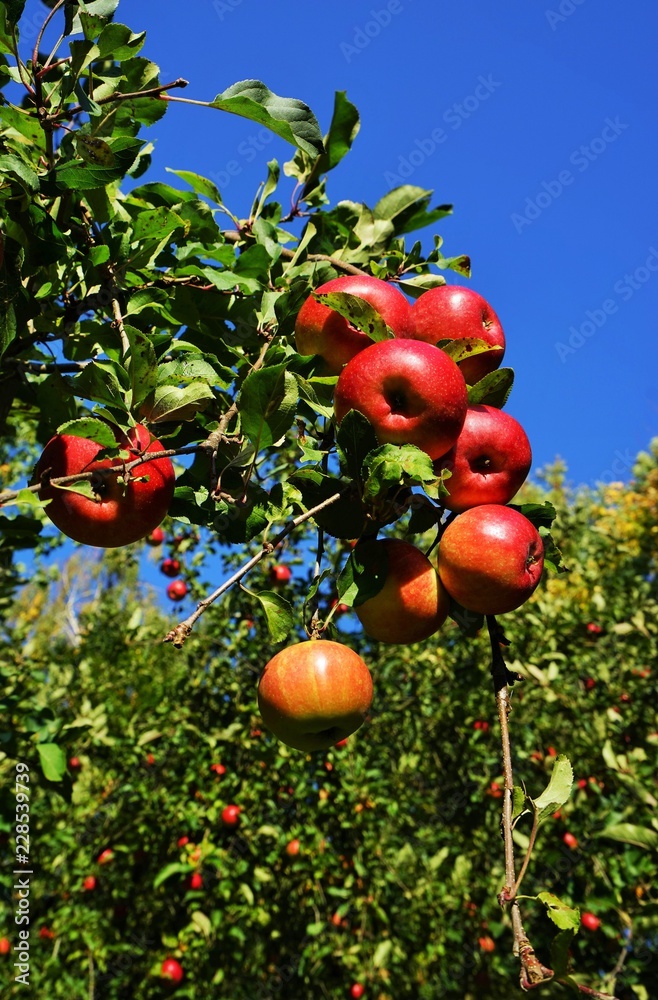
(182, 841)
(487, 943)
(412, 393)
(105, 856)
(195, 881)
(589, 683)
(594, 629)
(5, 946)
(156, 537)
(452, 312)
(74, 763)
(219, 769)
(412, 604)
(491, 559)
(482, 725)
(590, 921)
(170, 567)
(280, 573)
(90, 883)
(357, 991)
(314, 693)
(231, 815)
(495, 790)
(582, 783)
(341, 744)
(46, 934)
(320, 330)
(121, 513)
(489, 461)
(177, 590)
(172, 970)
(570, 840)
(293, 847)
(150, 759)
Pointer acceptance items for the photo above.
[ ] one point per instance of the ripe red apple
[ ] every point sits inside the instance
(156, 537)
(219, 769)
(182, 841)
(75, 763)
(320, 330)
(491, 559)
(452, 312)
(105, 856)
(570, 840)
(489, 461)
(482, 725)
(589, 683)
(231, 815)
(582, 783)
(172, 970)
(412, 604)
(314, 693)
(357, 991)
(590, 921)
(121, 513)
(495, 790)
(594, 629)
(195, 881)
(5, 946)
(487, 943)
(170, 567)
(46, 934)
(412, 393)
(177, 590)
(341, 744)
(90, 883)
(293, 847)
(280, 573)
(150, 759)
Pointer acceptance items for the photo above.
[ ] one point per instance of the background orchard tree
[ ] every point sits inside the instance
(128, 302)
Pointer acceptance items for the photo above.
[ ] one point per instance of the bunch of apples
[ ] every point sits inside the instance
(412, 392)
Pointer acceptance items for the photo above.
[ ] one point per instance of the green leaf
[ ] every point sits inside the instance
(382, 952)
(406, 207)
(268, 404)
(14, 9)
(563, 916)
(279, 614)
(199, 184)
(202, 922)
(97, 9)
(552, 554)
(394, 465)
(629, 833)
(359, 313)
(168, 402)
(142, 364)
(346, 517)
(363, 575)
(102, 382)
(560, 946)
(156, 224)
(53, 761)
(175, 868)
(557, 791)
(8, 328)
(466, 347)
(287, 117)
(539, 514)
(342, 133)
(493, 389)
(421, 283)
(13, 166)
(355, 439)
(520, 801)
(92, 429)
(94, 150)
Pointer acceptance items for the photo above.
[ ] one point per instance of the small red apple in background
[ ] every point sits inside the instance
(551, 752)
(170, 567)
(156, 537)
(280, 573)
(195, 881)
(182, 841)
(341, 609)
(121, 513)
(491, 559)
(336, 919)
(570, 840)
(357, 991)
(489, 461)
(582, 783)
(74, 763)
(90, 883)
(589, 921)
(46, 934)
(589, 683)
(150, 760)
(411, 392)
(495, 790)
(177, 590)
(487, 943)
(231, 815)
(5, 946)
(320, 330)
(341, 744)
(481, 725)
(219, 769)
(105, 856)
(412, 604)
(172, 970)
(594, 629)
(314, 693)
(293, 847)
(452, 312)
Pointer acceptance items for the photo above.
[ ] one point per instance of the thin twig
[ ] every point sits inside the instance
(118, 96)
(233, 236)
(180, 633)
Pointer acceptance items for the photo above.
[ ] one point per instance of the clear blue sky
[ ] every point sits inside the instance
(536, 120)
